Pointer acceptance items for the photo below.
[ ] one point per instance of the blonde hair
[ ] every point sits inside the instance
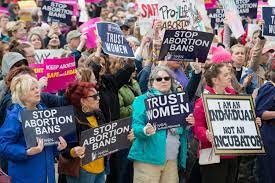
(13, 26)
(84, 74)
(20, 86)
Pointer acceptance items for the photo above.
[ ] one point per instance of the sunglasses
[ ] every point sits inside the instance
(95, 96)
(159, 79)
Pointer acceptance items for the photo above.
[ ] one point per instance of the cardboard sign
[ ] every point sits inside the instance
(185, 45)
(42, 54)
(106, 139)
(148, 10)
(168, 111)
(38, 69)
(113, 41)
(247, 8)
(269, 19)
(89, 28)
(57, 12)
(231, 119)
(216, 16)
(26, 7)
(176, 14)
(60, 72)
(49, 124)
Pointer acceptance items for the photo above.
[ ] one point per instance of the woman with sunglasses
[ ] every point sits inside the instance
(85, 99)
(156, 153)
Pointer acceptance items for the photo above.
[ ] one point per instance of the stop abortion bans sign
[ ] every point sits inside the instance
(231, 119)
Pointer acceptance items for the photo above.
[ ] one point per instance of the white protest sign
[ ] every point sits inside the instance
(251, 29)
(177, 14)
(148, 10)
(42, 54)
(231, 119)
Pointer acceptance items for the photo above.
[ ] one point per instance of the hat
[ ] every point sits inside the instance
(9, 59)
(73, 34)
(124, 24)
(270, 45)
(220, 55)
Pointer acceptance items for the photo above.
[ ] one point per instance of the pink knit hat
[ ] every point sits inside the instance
(220, 55)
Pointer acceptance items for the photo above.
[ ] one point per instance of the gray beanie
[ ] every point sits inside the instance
(9, 59)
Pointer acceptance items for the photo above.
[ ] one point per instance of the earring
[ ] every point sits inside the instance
(85, 108)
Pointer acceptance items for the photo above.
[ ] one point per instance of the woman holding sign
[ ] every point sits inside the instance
(218, 79)
(35, 164)
(156, 153)
(85, 99)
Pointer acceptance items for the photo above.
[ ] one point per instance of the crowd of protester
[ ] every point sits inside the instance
(108, 88)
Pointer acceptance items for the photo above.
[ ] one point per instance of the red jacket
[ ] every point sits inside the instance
(200, 126)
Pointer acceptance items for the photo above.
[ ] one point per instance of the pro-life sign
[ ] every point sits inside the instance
(168, 111)
(113, 41)
(48, 124)
(57, 12)
(185, 45)
(106, 139)
(231, 119)
(269, 19)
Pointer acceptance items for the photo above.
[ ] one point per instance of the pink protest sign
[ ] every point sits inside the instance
(89, 28)
(70, 2)
(210, 4)
(60, 72)
(4, 10)
(38, 69)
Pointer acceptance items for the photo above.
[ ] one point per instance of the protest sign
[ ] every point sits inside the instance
(231, 119)
(176, 14)
(210, 4)
(57, 12)
(106, 139)
(113, 41)
(269, 19)
(89, 28)
(261, 4)
(38, 69)
(48, 124)
(148, 10)
(26, 7)
(185, 45)
(216, 16)
(168, 111)
(70, 2)
(42, 54)
(247, 8)
(60, 72)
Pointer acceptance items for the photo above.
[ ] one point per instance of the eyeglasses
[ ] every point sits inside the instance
(159, 79)
(95, 96)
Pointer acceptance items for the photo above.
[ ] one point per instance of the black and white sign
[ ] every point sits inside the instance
(247, 8)
(269, 18)
(231, 119)
(41, 54)
(168, 111)
(185, 45)
(57, 12)
(106, 139)
(49, 124)
(113, 41)
(216, 16)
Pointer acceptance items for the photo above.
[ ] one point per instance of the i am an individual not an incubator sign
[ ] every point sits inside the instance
(232, 121)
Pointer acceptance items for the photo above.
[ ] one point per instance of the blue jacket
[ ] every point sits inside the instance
(22, 168)
(152, 149)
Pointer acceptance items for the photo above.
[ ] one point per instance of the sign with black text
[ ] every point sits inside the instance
(269, 19)
(57, 12)
(185, 45)
(113, 41)
(231, 119)
(49, 124)
(105, 139)
(168, 111)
